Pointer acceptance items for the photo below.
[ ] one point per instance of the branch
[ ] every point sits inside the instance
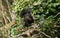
(46, 35)
(8, 25)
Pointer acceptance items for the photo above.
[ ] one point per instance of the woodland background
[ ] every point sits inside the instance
(46, 14)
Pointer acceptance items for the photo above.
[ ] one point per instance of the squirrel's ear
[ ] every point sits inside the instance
(24, 11)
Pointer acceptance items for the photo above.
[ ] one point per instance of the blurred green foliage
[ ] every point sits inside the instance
(44, 13)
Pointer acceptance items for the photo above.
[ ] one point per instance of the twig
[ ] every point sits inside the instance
(57, 15)
(46, 35)
(9, 25)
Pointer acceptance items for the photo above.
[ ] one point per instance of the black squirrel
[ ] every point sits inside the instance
(28, 18)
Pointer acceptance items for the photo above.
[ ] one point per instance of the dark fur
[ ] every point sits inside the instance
(28, 18)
